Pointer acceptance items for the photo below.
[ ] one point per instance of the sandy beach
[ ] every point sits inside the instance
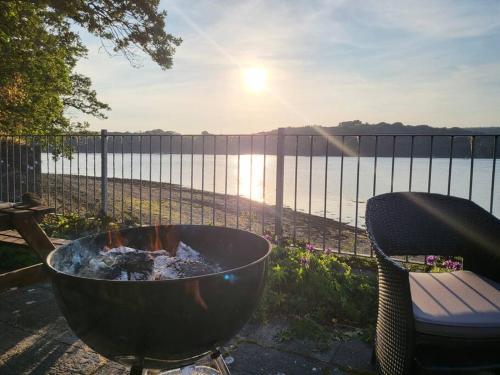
(154, 202)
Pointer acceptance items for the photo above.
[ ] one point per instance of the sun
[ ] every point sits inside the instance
(255, 79)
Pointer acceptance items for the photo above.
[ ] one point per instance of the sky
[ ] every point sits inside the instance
(433, 62)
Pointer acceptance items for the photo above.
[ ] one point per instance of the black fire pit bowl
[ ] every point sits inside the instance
(169, 323)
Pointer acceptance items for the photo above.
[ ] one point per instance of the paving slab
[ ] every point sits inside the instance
(349, 353)
(252, 359)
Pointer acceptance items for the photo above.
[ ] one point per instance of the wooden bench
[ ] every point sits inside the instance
(12, 237)
(27, 233)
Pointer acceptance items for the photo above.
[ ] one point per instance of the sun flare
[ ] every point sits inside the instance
(255, 79)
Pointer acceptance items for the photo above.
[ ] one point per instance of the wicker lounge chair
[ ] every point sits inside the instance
(435, 321)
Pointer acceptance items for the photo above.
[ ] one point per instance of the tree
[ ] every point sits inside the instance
(39, 51)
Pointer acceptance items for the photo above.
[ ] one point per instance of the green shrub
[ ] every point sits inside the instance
(319, 287)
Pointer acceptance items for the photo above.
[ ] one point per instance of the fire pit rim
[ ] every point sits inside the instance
(156, 282)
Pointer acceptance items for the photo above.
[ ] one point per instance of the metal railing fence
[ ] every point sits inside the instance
(308, 187)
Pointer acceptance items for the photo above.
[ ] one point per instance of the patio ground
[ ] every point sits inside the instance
(35, 339)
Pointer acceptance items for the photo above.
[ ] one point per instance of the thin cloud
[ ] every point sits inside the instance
(432, 62)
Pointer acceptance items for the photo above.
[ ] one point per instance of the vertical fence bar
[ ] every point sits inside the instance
(13, 169)
(48, 170)
(357, 195)
(180, 179)
(170, 182)
(429, 178)
(202, 177)
(55, 175)
(150, 180)
(26, 155)
(63, 206)
(2, 193)
(472, 152)
(131, 175)
(86, 174)
(392, 161)
(251, 182)
(493, 171)
(326, 192)
(123, 178)
(104, 172)
(19, 149)
(29, 147)
(191, 184)
(140, 180)
(215, 166)
(71, 153)
(78, 173)
(450, 163)
(238, 185)
(7, 167)
(11, 178)
(411, 162)
(114, 177)
(375, 150)
(15, 161)
(35, 161)
(280, 177)
(310, 190)
(95, 174)
(225, 183)
(16, 142)
(295, 189)
(375, 159)
(339, 237)
(160, 178)
(264, 187)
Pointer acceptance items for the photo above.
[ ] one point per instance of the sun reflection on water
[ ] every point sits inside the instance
(251, 177)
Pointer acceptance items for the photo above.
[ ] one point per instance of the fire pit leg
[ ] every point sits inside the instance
(220, 364)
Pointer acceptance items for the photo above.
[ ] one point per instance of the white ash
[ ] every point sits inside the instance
(125, 263)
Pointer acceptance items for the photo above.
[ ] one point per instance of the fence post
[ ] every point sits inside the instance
(280, 173)
(104, 172)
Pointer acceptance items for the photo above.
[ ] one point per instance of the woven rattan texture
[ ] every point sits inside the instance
(401, 224)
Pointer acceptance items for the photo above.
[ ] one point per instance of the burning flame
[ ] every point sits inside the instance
(172, 239)
(114, 240)
(193, 289)
(156, 240)
(165, 240)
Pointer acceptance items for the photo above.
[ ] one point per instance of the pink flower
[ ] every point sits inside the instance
(452, 265)
(328, 251)
(430, 260)
(448, 263)
(310, 247)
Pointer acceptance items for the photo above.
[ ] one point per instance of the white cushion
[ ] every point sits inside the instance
(455, 304)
